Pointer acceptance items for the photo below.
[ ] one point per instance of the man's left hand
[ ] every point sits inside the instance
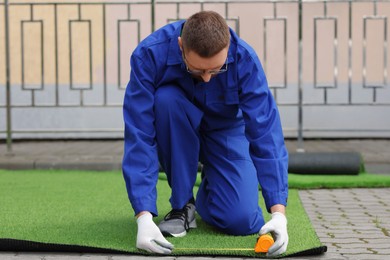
(277, 226)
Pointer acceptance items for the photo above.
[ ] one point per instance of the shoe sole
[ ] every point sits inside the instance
(182, 234)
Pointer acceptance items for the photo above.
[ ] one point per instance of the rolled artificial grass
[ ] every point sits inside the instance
(330, 163)
(89, 211)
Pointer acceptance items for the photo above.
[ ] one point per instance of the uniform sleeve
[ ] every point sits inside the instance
(140, 159)
(263, 131)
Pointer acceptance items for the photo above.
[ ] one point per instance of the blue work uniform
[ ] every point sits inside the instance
(230, 124)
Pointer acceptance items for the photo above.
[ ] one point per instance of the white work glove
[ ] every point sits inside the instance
(149, 236)
(277, 226)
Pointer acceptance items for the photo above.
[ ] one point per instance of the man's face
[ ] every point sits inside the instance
(204, 68)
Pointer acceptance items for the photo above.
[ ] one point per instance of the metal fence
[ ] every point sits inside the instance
(326, 61)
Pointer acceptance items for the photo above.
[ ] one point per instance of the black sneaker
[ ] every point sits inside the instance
(178, 221)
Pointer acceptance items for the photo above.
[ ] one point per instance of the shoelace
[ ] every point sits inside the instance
(179, 214)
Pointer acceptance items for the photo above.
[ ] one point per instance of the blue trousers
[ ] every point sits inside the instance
(228, 195)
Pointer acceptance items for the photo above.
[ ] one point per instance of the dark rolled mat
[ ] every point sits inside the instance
(335, 163)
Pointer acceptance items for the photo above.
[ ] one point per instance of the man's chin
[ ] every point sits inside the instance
(198, 78)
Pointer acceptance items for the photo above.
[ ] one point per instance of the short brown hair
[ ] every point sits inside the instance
(206, 33)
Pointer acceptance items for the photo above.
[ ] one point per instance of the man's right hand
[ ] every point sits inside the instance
(149, 237)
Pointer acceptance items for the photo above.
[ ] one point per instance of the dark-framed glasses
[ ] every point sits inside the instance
(223, 69)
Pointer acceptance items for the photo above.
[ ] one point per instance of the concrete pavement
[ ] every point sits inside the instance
(353, 223)
(107, 155)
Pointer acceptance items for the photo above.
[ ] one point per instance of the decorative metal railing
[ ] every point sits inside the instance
(322, 59)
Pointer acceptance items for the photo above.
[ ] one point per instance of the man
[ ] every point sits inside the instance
(197, 92)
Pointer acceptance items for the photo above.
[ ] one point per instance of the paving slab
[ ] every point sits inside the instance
(362, 237)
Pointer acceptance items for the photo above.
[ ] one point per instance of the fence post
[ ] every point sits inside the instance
(300, 147)
(153, 15)
(7, 78)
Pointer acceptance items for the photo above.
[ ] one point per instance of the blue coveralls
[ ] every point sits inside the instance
(230, 124)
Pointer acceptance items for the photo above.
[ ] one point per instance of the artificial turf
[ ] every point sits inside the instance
(91, 209)
(362, 180)
(324, 181)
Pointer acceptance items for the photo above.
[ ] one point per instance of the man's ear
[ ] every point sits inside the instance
(179, 41)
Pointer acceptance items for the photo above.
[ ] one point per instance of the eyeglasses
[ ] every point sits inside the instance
(223, 69)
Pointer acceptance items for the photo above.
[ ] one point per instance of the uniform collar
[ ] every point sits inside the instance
(174, 53)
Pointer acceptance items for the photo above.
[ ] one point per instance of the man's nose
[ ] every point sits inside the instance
(206, 77)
